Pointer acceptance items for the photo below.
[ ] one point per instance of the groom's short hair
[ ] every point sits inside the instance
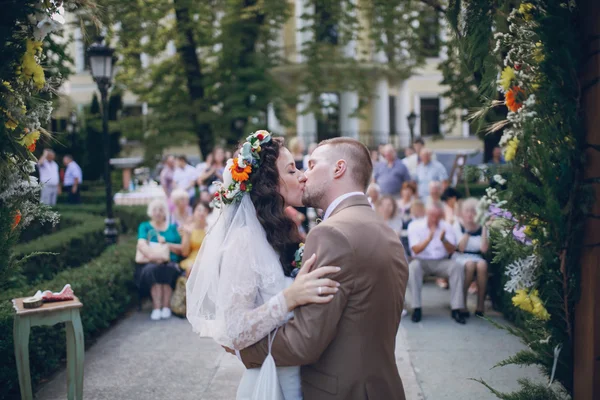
(357, 156)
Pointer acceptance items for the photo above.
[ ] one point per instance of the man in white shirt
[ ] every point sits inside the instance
(432, 241)
(49, 177)
(185, 177)
(72, 180)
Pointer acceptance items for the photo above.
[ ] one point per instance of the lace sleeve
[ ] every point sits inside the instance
(243, 274)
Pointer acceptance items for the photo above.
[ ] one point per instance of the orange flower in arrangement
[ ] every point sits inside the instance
(17, 219)
(31, 147)
(240, 174)
(514, 98)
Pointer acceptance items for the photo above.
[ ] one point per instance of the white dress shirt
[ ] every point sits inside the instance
(73, 171)
(49, 173)
(337, 202)
(418, 232)
(183, 177)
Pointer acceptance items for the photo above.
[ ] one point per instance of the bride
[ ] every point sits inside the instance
(241, 286)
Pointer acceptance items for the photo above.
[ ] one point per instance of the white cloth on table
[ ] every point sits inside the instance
(418, 232)
(72, 172)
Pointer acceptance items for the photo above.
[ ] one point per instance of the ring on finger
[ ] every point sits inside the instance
(320, 290)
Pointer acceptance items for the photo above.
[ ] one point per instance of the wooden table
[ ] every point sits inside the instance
(50, 314)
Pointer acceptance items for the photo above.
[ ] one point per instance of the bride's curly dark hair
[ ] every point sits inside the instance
(282, 232)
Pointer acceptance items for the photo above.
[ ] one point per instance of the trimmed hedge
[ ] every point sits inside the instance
(104, 286)
(37, 229)
(130, 217)
(74, 246)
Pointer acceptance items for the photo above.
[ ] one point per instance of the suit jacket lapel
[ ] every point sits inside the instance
(352, 201)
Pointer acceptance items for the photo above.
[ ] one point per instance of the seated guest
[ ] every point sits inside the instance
(373, 193)
(472, 244)
(158, 277)
(408, 195)
(417, 210)
(388, 210)
(181, 209)
(435, 192)
(450, 197)
(432, 241)
(192, 235)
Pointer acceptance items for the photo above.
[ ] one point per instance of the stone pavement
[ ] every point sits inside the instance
(146, 360)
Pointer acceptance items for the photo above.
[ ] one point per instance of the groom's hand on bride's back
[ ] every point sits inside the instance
(311, 286)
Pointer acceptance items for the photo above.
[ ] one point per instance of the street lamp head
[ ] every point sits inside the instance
(102, 62)
(412, 119)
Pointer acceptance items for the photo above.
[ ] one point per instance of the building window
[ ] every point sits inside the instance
(429, 33)
(326, 27)
(328, 121)
(430, 116)
(392, 105)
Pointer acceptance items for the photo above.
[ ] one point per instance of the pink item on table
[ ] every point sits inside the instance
(65, 294)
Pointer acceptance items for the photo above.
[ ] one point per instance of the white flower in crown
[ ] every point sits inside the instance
(227, 177)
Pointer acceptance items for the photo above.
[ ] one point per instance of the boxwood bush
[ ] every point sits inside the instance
(104, 286)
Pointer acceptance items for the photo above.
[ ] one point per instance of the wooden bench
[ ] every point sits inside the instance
(50, 314)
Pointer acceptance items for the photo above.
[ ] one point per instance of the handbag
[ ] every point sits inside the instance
(267, 384)
(154, 252)
(178, 305)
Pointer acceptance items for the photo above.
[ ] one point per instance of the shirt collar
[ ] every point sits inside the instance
(337, 202)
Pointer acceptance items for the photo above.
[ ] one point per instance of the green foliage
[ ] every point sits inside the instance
(544, 192)
(104, 286)
(529, 391)
(64, 249)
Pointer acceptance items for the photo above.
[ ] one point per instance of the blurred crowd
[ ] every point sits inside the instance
(436, 225)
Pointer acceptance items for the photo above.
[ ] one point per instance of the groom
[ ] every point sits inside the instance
(346, 347)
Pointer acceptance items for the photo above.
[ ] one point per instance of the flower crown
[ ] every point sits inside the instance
(238, 170)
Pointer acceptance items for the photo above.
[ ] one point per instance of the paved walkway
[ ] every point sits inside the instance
(145, 360)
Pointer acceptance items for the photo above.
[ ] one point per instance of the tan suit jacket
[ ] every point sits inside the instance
(346, 347)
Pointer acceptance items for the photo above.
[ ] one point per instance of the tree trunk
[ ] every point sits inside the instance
(586, 368)
(186, 47)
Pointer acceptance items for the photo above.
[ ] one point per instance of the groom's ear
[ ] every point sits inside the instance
(340, 168)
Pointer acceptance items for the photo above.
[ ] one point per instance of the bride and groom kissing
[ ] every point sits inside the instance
(331, 330)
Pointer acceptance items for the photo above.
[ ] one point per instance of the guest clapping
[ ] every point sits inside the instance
(472, 244)
(432, 241)
(160, 244)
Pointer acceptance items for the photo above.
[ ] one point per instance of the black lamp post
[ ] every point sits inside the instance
(102, 62)
(412, 119)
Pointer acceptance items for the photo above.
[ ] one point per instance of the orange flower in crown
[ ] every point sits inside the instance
(238, 173)
(17, 219)
(514, 98)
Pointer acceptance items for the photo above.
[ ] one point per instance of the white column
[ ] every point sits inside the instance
(402, 111)
(349, 105)
(144, 58)
(302, 36)
(380, 112)
(273, 124)
(306, 124)
(350, 47)
(466, 129)
(79, 51)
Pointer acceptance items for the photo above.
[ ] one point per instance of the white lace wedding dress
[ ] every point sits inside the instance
(234, 293)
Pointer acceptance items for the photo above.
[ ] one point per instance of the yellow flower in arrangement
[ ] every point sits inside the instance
(531, 303)
(511, 149)
(30, 140)
(11, 123)
(538, 54)
(522, 300)
(30, 69)
(506, 78)
(529, 228)
(8, 86)
(525, 10)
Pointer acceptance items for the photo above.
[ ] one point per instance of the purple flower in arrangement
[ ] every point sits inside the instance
(498, 212)
(519, 234)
